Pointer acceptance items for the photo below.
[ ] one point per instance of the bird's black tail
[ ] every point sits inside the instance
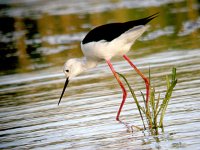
(142, 21)
(147, 19)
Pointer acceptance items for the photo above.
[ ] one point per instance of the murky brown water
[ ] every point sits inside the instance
(37, 37)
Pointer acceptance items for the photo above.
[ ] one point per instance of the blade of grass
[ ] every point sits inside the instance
(166, 101)
(157, 103)
(168, 95)
(152, 101)
(147, 113)
(173, 74)
(143, 97)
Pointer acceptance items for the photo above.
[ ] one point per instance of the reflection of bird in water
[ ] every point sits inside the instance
(105, 42)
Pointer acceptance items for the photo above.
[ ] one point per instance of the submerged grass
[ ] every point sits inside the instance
(154, 110)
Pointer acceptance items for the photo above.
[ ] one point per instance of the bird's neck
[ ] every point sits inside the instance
(88, 63)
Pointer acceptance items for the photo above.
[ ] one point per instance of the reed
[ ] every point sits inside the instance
(152, 113)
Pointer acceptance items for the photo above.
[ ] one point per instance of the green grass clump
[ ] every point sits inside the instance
(154, 110)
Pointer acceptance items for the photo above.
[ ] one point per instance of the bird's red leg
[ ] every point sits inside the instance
(146, 80)
(121, 85)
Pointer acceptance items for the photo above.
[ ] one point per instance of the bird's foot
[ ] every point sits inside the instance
(130, 128)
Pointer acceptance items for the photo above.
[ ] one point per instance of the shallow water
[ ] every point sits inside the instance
(37, 37)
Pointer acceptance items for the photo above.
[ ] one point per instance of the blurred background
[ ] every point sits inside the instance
(38, 36)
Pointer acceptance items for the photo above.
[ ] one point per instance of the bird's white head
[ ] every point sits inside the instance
(73, 67)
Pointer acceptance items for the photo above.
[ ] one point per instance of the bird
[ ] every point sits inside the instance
(103, 43)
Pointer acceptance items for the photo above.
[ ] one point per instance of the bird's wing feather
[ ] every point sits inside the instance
(110, 31)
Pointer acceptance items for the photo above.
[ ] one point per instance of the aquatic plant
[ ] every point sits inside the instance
(154, 110)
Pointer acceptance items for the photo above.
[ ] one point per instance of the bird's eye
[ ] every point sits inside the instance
(67, 70)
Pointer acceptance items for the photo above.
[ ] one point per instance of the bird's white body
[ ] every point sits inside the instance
(117, 47)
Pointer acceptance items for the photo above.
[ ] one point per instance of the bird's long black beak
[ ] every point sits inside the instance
(65, 85)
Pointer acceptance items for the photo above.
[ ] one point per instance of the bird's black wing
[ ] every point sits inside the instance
(110, 31)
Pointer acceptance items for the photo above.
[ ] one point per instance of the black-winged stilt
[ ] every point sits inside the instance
(105, 42)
